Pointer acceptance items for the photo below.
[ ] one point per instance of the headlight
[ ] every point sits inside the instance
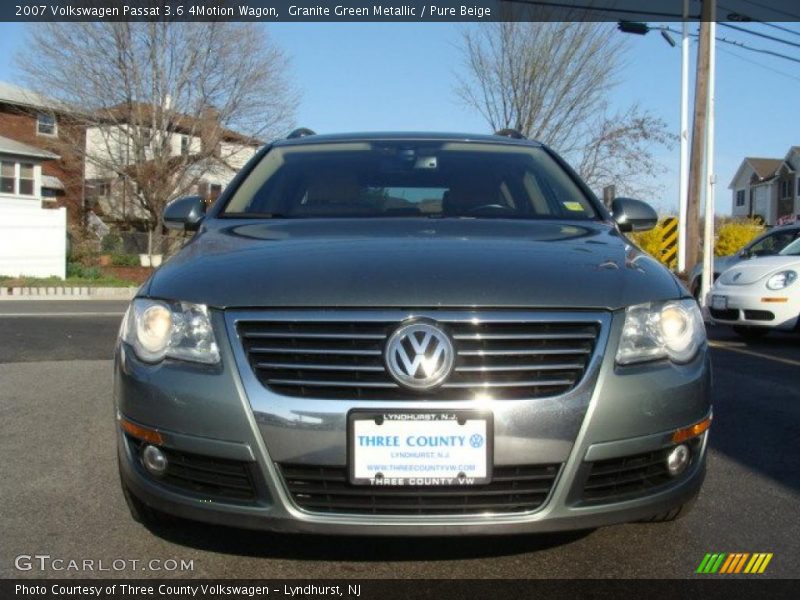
(157, 329)
(672, 329)
(781, 280)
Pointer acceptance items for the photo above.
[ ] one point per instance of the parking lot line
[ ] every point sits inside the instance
(736, 348)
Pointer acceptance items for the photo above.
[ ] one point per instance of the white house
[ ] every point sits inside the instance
(21, 173)
(767, 188)
(32, 239)
(111, 144)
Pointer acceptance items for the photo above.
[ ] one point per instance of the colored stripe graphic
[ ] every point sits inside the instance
(734, 562)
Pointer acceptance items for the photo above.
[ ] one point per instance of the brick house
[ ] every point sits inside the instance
(34, 121)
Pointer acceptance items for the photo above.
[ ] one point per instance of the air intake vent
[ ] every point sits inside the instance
(326, 490)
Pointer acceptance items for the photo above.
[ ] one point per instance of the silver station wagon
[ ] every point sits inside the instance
(411, 334)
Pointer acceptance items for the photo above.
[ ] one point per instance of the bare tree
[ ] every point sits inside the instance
(157, 105)
(551, 82)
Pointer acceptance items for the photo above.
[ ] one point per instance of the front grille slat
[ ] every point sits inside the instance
(342, 357)
(312, 336)
(315, 367)
(327, 490)
(524, 367)
(524, 336)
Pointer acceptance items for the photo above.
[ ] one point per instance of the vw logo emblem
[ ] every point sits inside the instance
(419, 355)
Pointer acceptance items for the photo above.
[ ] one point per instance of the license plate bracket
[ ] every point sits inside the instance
(419, 447)
(719, 302)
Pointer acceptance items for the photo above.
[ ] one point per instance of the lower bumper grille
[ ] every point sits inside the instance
(327, 490)
(619, 479)
(212, 478)
(729, 314)
(759, 315)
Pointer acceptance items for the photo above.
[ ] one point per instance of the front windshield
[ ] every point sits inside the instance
(792, 249)
(408, 179)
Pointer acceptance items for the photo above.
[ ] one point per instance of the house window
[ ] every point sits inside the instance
(184, 145)
(786, 188)
(45, 124)
(798, 186)
(26, 179)
(7, 176)
(740, 197)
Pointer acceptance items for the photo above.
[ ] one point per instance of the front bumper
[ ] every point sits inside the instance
(747, 306)
(219, 412)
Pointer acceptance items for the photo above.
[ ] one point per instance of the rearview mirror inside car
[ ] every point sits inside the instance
(633, 215)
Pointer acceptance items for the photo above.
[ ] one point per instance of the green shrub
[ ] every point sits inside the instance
(111, 244)
(732, 236)
(78, 271)
(74, 269)
(125, 260)
(83, 249)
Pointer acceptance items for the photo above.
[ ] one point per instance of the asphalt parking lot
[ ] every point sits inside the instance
(60, 494)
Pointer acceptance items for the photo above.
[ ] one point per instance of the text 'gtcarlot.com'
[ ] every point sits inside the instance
(46, 562)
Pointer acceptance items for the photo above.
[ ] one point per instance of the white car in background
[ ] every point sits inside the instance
(759, 295)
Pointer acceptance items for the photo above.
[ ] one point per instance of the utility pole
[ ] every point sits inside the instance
(697, 159)
(683, 190)
(711, 176)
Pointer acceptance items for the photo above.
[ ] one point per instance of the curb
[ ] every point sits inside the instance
(65, 293)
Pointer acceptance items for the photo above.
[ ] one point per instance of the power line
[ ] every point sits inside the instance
(786, 29)
(749, 19)
(590, 8)
(761, 35)
(758, 64)
(773, 9)
(741, 45)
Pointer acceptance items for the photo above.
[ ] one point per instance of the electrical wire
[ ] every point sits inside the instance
(761, 35)
(758, 64)
(749, 19)
(590, 8)
(741, 45)
(773, 9)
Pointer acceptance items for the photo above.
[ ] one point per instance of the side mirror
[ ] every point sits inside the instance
(633, 215)
(744, 254)
(185, 213)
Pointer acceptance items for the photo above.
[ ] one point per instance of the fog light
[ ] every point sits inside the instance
(678, 459)
(154, 460)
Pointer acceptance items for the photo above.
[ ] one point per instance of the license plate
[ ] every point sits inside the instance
(719, 302)
(419, 448)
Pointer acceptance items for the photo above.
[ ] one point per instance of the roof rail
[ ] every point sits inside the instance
(300, 132)
(511, 133)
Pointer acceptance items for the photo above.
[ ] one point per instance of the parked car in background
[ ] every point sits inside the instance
(767, 244)
(411, 334)
(759, 295)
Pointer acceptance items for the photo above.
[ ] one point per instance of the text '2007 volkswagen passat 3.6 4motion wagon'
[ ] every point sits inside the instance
(411, 334)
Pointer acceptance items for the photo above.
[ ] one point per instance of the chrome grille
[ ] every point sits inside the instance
(342, 357)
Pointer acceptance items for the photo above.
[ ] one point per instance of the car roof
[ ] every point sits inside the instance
(414, 136)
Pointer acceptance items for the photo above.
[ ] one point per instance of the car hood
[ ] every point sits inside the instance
(755, 269)
(412, 263)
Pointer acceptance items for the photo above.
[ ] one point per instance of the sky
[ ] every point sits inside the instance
(401, 76)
